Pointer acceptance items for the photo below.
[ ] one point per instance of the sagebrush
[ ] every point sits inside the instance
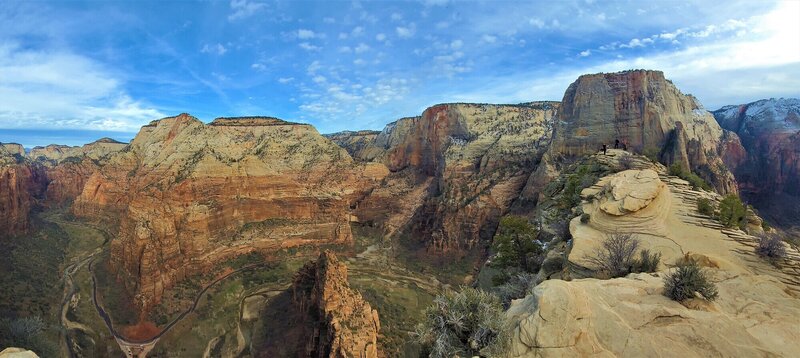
(464, 324)
(688, 281)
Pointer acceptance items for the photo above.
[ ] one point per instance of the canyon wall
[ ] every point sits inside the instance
(649, 115)
(770, 174)
(455, 170)
(185, 195)
(22, 184)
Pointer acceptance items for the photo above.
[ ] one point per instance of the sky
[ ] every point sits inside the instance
(74, 71)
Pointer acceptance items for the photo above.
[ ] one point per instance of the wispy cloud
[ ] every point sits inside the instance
(216, 49)
(244, 8)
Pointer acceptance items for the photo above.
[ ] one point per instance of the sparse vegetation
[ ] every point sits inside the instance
(696, 181)
(771, 248)
(626, 162)
(465, 324)
(515, 244)
(615, 257)
(765, 225)
(732, 213)
(516, 287)
(585, 218)
(705, 207)
(27, 332)
(648, 262)
(651, 153)
(689, 281)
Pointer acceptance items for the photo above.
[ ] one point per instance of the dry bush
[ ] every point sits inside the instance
(626, 162)
(771, 248)
(615, 257)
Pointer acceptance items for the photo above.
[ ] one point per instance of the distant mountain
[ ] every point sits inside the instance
(770, 132)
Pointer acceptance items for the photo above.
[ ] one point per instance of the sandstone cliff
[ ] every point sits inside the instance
(22, 185)
(68, 168)
(630, 316)
(456, 170)
(348, 326)
(646, 112)
(185, 195)
(770, 174)
(357, 143)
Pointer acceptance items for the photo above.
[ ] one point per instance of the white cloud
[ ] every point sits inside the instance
(313, 67)
(258, 67)
(345, 49)
(359, 62)
(357, 31)
(406, 31)
(585, 53)
(396, 16)
(304, 34)
(342, 36)
(380, 37)
(329, 20)
(537, 23)
(244, 8)
(489, 39)
(309, 47)
(456, 44)
(41, 90)
(319, 79)
(285, 80)
(362, 47)
(217, 49)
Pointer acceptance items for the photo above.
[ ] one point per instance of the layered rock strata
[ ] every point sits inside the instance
(185, 195)
(22, 185)
(456, 169)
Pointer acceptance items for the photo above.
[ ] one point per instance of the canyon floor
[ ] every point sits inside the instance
(229, 314)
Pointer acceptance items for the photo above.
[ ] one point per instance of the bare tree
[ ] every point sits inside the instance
(615, 256)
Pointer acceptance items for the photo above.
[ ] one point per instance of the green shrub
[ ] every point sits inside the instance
(464, 324)
(515, 244)
(687, 280)
(732, 213)
(585, 218)
(694, 180)
(651, 153)
(648, 262)
(705, 207)
(765, 225)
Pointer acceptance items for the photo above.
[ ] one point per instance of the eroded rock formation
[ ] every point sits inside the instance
(629, 316)
(185, 195)
(348, 326)
(648, 114)
(456, 169)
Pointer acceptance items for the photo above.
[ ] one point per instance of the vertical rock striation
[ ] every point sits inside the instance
(22, 184)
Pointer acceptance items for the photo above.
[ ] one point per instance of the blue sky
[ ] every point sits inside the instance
(87, 69)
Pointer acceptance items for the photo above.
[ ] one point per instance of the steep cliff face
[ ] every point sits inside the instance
(185, 195)
(68, 168)
(356, 143)
(344, 324)
(22, 184)
(770, 132)
(456, 169)
(650, 115)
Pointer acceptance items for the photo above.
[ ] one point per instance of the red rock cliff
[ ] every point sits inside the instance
(185, 195)
(21, 184)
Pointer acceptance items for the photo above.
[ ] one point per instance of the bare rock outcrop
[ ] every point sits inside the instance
(348, 326)
(13, 352)
(647, 113)
(629, 316)
(185, 195)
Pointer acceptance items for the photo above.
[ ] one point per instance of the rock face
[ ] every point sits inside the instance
(770, 133)
(17, 353)
(22, 184)
(456, 169)
(650, 115)
(185, 195)
(630, 316)
(68, 168)
(357, 143)
(346, 325)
